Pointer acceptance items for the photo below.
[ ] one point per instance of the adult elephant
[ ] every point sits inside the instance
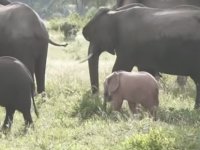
(159, 3)
(181, 80)
(4, 2)
(165, 40)
(24, 36)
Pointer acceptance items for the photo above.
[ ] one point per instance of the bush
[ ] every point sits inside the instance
(54, 24)
(156, 139)
(69, 26)
(88, 107)
(69, 30)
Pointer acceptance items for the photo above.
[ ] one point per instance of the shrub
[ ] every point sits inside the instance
(69, 26)
(54, 24)
(69, 30)
(88, 106)
(156, 139)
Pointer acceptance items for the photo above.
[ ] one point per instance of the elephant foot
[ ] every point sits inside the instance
(197, 106)
(5, 129)
(28, 127)
(43, 94)
(95, 90)
(104, 106)
(42, 98)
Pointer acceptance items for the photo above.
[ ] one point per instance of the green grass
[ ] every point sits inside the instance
(73, 119)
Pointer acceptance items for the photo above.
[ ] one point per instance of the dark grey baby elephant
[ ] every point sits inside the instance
(135, 87)
(16, 90)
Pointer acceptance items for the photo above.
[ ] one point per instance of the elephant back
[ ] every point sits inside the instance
(17, 19)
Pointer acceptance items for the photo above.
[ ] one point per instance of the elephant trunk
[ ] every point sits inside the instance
(40, 69)
(93, 69)
(40, 76)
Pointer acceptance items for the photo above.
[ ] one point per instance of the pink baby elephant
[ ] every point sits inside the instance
(135, 87)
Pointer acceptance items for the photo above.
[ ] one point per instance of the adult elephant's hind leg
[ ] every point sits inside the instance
(197, 100)
(27, 118)
(8, 118)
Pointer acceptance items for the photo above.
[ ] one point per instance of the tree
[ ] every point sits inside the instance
(46, 8)
(80, 6)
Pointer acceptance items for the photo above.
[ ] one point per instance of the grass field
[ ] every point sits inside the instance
(72, 119)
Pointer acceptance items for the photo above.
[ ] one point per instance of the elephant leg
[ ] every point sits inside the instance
(181, 80)
(40, 69)
(31, 68)
(27, 118)
(197, 100)
(116, 104)
(8, 118)
(40, 77)
(121, 64)
(153, 113)
(104, 104)
(132, 107)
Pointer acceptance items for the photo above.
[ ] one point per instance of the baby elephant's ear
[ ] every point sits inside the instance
(113, 83)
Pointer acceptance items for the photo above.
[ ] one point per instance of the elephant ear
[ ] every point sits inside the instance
(113, 83)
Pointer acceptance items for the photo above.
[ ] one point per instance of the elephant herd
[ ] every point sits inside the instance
(23, 44)
(155, 39)
(153, 35)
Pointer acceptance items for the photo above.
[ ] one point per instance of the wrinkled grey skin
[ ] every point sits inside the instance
(181, 80)
(165, 40)
(24, 36)
(135, 87)
(16, 90)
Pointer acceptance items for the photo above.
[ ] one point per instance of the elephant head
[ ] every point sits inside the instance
(101, 33)
(4, 2)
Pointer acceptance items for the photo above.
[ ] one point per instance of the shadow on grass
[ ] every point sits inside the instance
(91, 106)
(179, 117)
(88, 106)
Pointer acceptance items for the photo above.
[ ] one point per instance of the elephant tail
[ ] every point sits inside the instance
(56, 44)
(33, 99)
(36, 111)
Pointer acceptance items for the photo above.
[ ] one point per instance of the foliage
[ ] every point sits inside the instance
(69, 30)
(88, 106)
(74, 19)
(155, 139)
(69, 26)
(159, 138)
(62, 8)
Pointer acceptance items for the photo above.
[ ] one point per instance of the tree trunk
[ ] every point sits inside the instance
(80, 7)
